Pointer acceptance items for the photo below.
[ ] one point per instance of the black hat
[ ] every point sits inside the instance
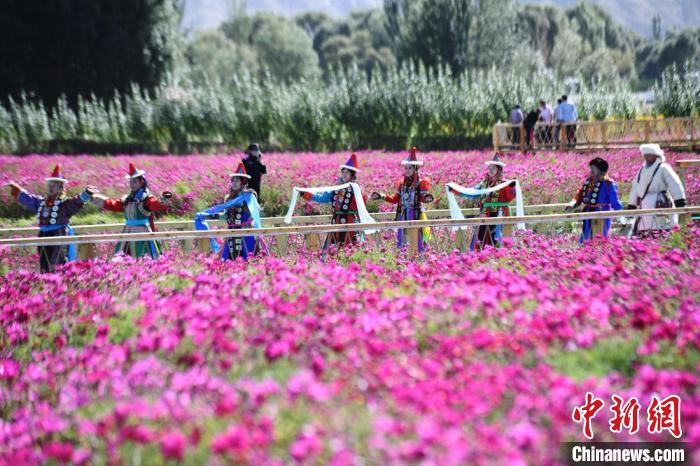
(254, 147)
(599, 163)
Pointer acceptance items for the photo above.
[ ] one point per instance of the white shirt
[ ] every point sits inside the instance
(546, 114)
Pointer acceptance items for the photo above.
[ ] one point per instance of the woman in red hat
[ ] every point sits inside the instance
(412, 191)
(344, 202)
(53, 212)
(138, 208)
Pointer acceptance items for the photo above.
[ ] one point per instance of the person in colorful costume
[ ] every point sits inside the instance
(139, 207)
(655, 186)
(53, 211)
(348, 203)
(344, 204)
(493, 204)
(598, 193)
(241, 210)
(412, 191)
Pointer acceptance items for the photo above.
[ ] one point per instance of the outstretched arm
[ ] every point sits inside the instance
(111, 205)
(576, 201)
(156, 205)
(322, 198)
(75, 203)
(26, 199)
(425, 195)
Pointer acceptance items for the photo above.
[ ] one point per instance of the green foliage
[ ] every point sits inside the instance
(619, 354)
(655, 58)
(404, 106)
(212, 55)
(678, 92)
(359, 40)
(615, 354)
(71, 48)
(272, 45)
(463, 34)
(582, 41)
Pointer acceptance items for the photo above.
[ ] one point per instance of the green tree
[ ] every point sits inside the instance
(459, 33)
(282, 47)
(675, 49)
(213, 56)
(74, 47)
(360, 39)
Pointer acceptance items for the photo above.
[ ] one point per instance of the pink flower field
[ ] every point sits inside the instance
(368, 358)
(199, 181)
(452, 359)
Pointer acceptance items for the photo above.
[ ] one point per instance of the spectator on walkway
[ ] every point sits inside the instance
(516, 118)
(529, 125)
(546, 117)
(557, 122)
(568, 116)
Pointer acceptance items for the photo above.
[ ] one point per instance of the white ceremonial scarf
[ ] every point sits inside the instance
(362, 213)
(456, 212)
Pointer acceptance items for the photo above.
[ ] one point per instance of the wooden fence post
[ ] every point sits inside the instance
(87, 251)
(647, 130)
(313, 242)
(562, 136)
(522, 138)
(604, 131)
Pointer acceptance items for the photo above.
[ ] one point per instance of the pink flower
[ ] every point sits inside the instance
(276, 350)
(138, 433)
(306, 445)
(172, 445)
(9, 369)
(234, 440)
(59, 451)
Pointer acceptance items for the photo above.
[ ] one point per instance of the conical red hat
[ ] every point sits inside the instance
(352, 163)
(56, 175)
(240, 171)
(134, 172)
(412, 158)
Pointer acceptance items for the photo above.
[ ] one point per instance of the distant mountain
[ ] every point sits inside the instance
(637, 14)
(634, 14)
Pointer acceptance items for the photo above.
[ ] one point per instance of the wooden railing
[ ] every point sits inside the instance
(281, 236)
(177, 225)
(598, 135)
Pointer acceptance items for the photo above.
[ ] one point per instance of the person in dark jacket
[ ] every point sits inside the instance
(529, 124)
(254, 167)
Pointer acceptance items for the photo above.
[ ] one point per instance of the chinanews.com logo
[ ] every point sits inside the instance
(662, 416)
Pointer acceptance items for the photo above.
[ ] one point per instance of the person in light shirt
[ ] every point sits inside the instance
(655, 186)
(547, 118)
(568, 116)
(516, 118)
